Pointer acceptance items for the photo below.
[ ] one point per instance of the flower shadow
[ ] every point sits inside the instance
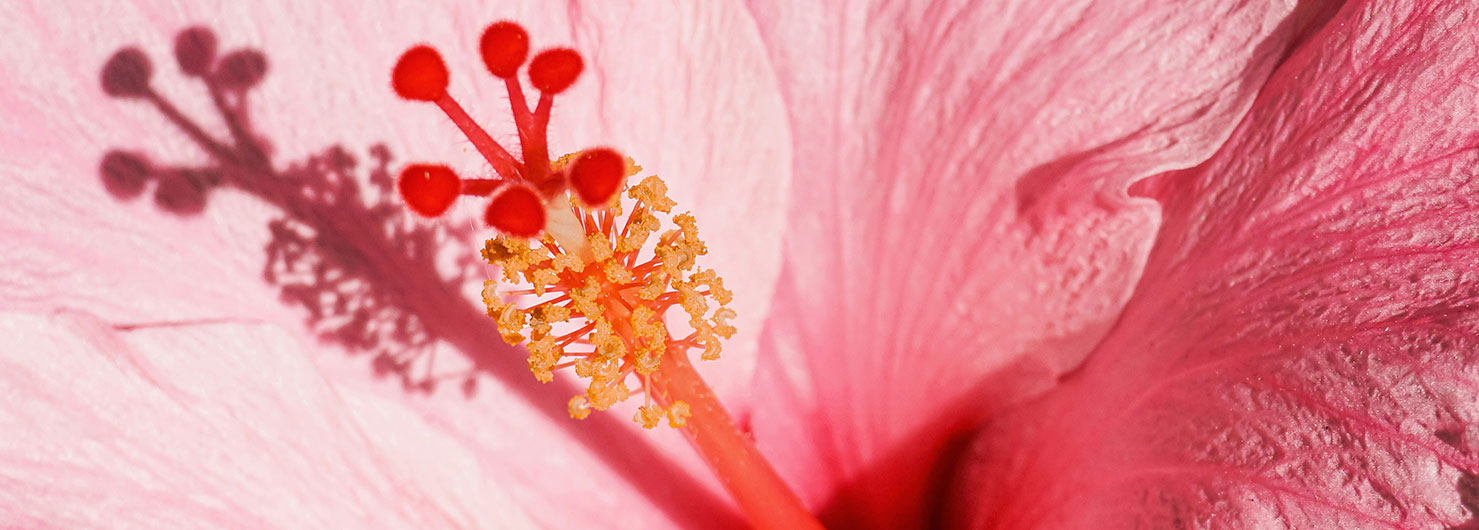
(367, 277)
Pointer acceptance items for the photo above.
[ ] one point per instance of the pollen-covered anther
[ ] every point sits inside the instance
(580, 407)
(648, 415)
(599, 307)
(678, 414)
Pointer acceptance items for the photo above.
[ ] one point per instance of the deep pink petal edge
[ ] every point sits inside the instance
(1301, 353)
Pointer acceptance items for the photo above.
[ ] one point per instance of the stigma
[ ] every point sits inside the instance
(592, 267)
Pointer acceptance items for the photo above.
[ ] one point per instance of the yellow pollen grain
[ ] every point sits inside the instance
(616, 273)
(656, 285)
(542, 279)
(642, 227)
(653, 193)
(648, 415)
(678, 415)
(558, 313)
(722, 316)
(597, 306)
(580, 408)
(601, 246)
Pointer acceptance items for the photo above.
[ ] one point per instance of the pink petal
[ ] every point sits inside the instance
(215, 426)
(1301, 353)
(676, 107)
(959, 210)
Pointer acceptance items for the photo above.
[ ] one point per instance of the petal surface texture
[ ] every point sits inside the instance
(224, 425)
(113, 211)
(960, 232)
(1301, 352)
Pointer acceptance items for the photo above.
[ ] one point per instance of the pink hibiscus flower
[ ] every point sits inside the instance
(957, 239)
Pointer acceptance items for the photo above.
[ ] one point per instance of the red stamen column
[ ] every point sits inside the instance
(767, 501)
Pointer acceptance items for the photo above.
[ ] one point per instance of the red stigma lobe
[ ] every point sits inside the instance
(516, 211)
(521, 188)
(429, 189)
(127, 73)
(553, 71)
(241, 70)
(596, 175)
(420, 75)
(505, 46)
(195, 50)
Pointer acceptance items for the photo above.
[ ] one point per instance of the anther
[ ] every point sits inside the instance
(420, 74)
(589, 279)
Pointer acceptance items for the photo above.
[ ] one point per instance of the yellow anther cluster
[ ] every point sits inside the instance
(604, 318)
(649, 416)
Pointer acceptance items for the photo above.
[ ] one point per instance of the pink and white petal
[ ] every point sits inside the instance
(1301, 353)
(960, 209)
(78, 247)
(215, 426)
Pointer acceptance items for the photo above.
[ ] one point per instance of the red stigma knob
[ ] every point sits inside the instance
(505, 47)
(127, 73)
(429, 189)
(125, 174)
(553, 71)
(195, 50)
(517, 211)
(420, 74)
(241, 70)
(596, 175)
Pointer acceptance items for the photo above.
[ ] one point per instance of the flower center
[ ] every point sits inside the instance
(597, 291)
(603, 317)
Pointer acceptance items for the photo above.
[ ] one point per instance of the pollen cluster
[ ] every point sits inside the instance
(597, 305)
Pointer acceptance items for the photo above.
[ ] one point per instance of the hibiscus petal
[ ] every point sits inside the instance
(1302, 351)
(212, 426)
(960, 208)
